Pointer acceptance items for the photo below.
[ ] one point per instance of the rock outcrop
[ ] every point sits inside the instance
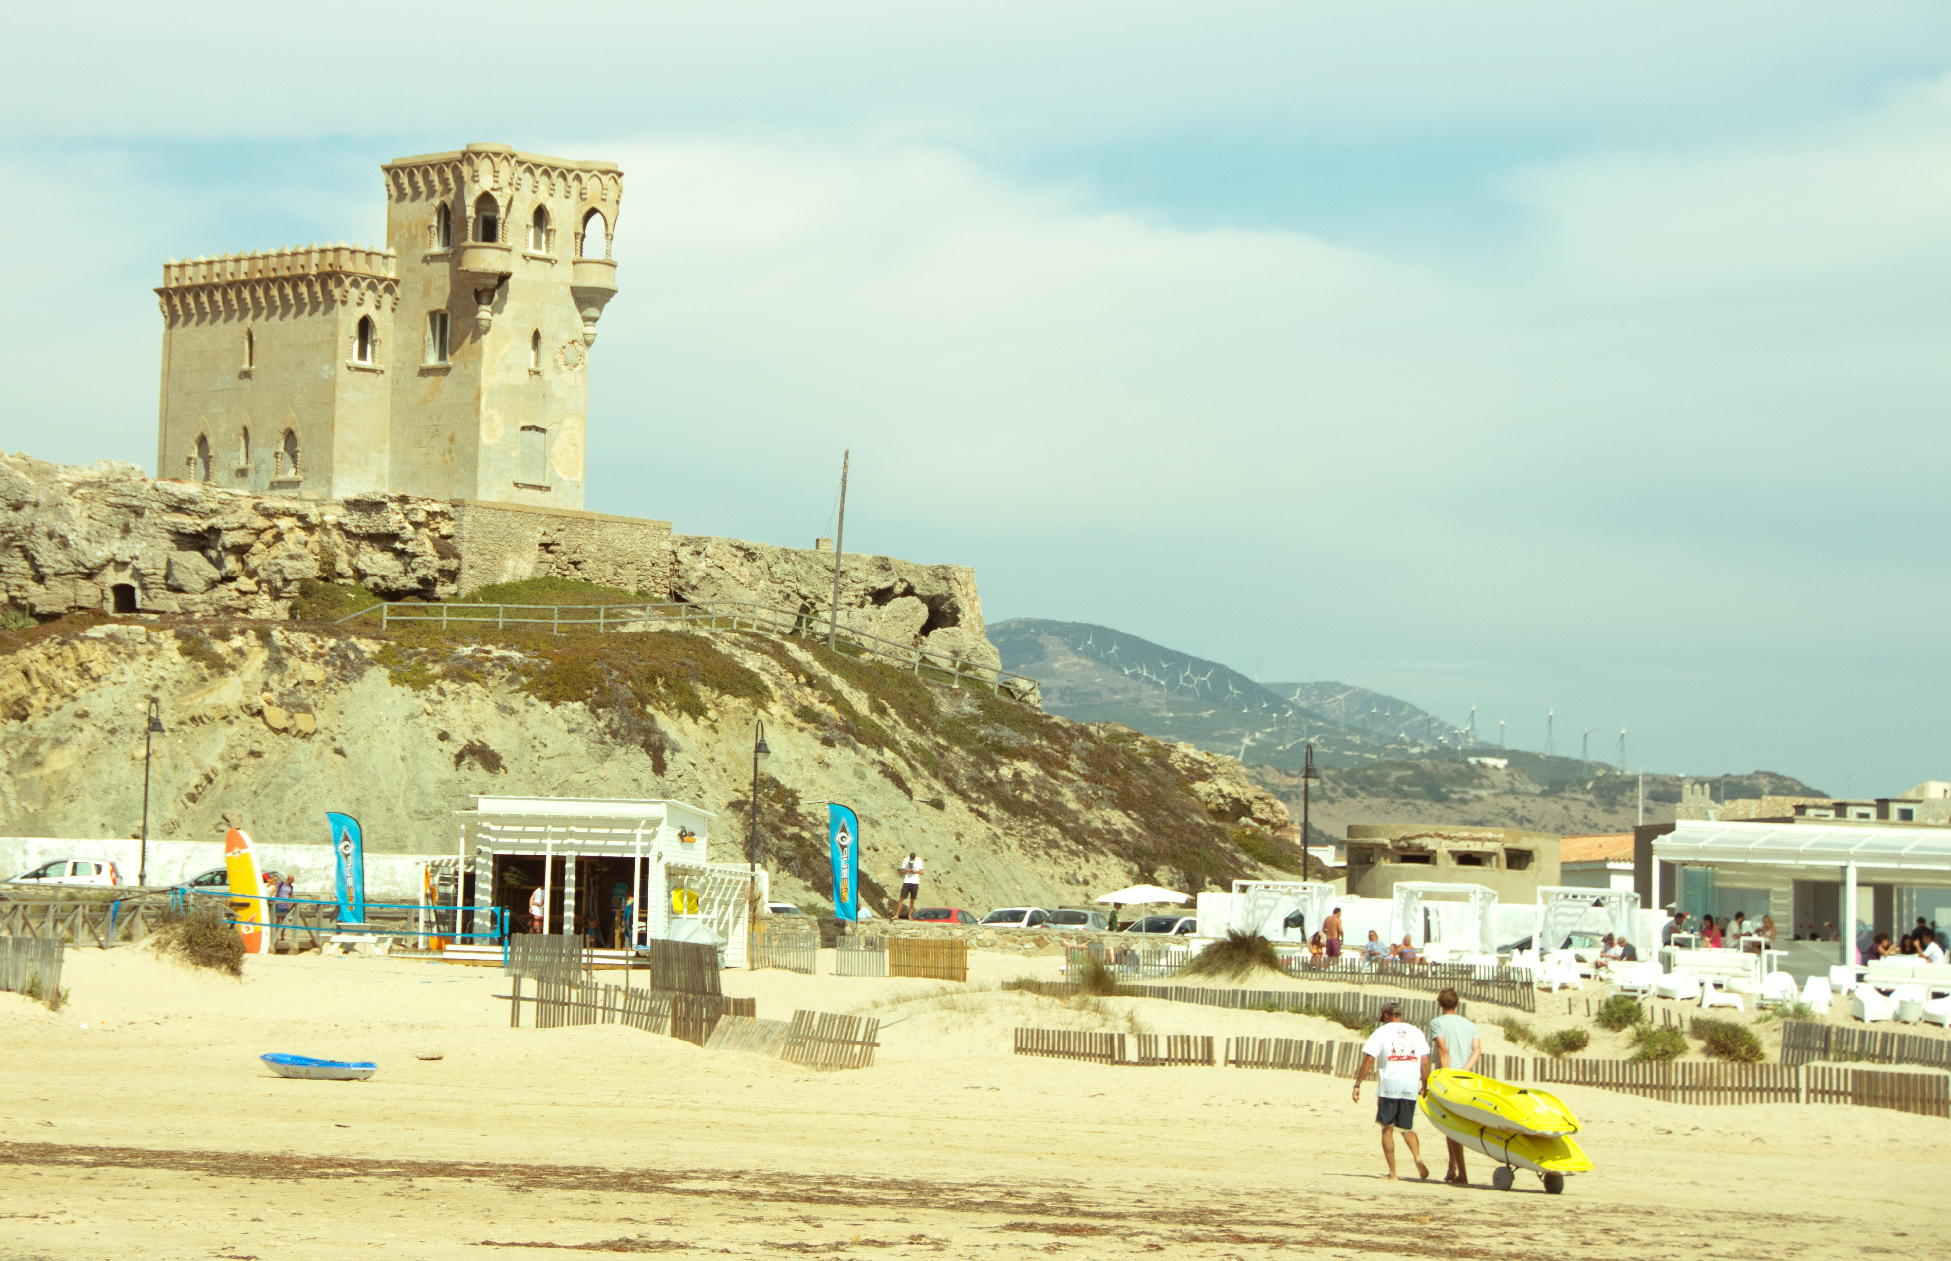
(268, 727)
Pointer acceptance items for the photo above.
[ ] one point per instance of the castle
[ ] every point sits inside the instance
(453, 364)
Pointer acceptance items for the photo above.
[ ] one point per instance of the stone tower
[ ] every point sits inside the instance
(453, 364)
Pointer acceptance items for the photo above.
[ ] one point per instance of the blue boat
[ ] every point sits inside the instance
(319, 1070)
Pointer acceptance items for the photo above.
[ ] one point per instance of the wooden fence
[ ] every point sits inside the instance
(1675, 1082)
(1364, 1007)
(789, 952)
(688, 1017)
(1180, 1048)
(1479, 983)
(933, 959)
(823, 1040)
(1072, 1044)
(1807, 1041)
(1927, 1094)
(1136, 962)
(83, 923)
(31, 966)
(860, 956)
(1295, 1054)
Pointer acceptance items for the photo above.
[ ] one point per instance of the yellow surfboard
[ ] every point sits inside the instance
(247, 903)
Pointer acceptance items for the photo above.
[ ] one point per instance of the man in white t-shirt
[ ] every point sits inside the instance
(1930, 950)
(910, 885)
(1400, 1054)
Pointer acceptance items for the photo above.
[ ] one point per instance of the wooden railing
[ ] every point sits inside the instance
(708, 615)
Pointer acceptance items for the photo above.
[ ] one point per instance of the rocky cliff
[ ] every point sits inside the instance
(270, 725)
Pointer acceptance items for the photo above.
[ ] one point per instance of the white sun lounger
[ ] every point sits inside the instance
(1635, 978)
(1679, 984)
(1710, 998)
(1869, 1006)
(1938, 1012)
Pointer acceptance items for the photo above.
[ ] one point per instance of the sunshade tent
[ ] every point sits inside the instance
(1144, 895)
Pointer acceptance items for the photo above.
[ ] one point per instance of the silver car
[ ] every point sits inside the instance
(1082, 921)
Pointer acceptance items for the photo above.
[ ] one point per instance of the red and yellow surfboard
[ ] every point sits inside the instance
(247, 904)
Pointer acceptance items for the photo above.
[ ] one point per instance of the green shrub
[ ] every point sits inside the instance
(1339, 1015)
(1518, 1032)
(319, 601)
(1237, 955)
(1658, 1045)
(13, 618)
(1093, 977)
(1725, 1040)
(1565, 1042)
(1621, 1011)
(1797, 1010)
(204, 938)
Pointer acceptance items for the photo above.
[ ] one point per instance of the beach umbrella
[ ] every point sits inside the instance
(1144, 895)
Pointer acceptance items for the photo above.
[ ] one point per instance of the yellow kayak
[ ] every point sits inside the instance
(1541, 1153)
(1498, 1105)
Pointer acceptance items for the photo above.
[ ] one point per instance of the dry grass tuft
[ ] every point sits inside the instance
(1240, 954)
(204, 939)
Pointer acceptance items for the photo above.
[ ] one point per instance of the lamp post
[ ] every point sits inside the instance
(154, 729)
(1308, 776)
(759, 754)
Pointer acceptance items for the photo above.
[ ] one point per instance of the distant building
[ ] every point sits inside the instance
(1602, 861)
(1493, 763)
(1511, 861)
(1929, 802)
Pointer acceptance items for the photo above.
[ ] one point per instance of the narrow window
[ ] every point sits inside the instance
(538, 231)
(487, 219)
(243, 449)
(443, 227)
(362, 349)
(287, 457)
(250, 349)
(535, 351)
(535, 455)
(203, 461)
(595, 241)
(436, 337)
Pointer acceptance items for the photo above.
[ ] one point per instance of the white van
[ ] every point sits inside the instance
(71, 871)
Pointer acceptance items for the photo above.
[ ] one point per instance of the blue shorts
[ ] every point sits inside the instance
(1401, 1113)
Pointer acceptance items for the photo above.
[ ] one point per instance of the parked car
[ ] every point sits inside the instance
(1165, 925)
(943, 915)
(783, 908)
(1085, 921)
(1017, 917)
(71, 871)
(215, 880)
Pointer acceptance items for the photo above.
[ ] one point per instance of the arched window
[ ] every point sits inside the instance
(250, 349)
(535, 456)
(595, 241)
(535, 351)
(443, 227)
(201, 470)
(538, 231)
(487, 218)
(365, 340)
(285, 461)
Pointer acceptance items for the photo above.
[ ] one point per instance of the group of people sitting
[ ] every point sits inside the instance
(1320, 952)
(1920, 945)
(1738, 933)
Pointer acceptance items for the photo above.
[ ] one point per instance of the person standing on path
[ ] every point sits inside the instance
(910, 885)
(1400, 1055)
(1331, 935)
(537, 907)
(1457, 1046)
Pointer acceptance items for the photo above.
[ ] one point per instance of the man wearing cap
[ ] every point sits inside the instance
(1400, 1055)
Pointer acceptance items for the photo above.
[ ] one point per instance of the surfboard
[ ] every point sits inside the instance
(247, 903)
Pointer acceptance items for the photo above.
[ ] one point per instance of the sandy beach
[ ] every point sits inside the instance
(137, 1121)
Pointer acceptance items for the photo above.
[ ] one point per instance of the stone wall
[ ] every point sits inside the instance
(509, 542)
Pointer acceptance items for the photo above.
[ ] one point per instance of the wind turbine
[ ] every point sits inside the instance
(1622, 748)
(1500, 734)
(1551, 738)
(1585, 745)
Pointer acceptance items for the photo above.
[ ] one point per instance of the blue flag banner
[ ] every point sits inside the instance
(349, 852)
(843, 839)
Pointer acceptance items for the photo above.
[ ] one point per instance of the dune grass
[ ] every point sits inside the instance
(1238, 955)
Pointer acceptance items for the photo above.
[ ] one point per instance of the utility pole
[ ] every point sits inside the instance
(1642, 797)
(149, 733)
(1308, 776)
(839, 545)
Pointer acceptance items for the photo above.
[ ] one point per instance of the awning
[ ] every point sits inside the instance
(1920, 849)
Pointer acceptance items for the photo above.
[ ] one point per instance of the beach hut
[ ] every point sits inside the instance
(591, 857)
(1476, 908)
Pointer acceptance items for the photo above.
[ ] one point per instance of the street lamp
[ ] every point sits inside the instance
(154, 729)
(759, 754)
(1308, 776)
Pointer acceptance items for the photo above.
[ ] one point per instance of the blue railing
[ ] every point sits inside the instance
(179, 902)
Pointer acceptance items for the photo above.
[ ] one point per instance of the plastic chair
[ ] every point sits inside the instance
(1938, 1011)
(1681, 983)
(1869, 1006)
(1842, 979)
(1817, 994)
(1710, 998)
(1776, 987)
(1635, 978)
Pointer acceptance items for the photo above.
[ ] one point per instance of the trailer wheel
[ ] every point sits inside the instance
(1502, 1178)
(1554, 1183)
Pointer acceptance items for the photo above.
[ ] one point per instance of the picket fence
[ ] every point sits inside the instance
(31, 965)
(1807, 1041)
(927, 958)
(823, 1040)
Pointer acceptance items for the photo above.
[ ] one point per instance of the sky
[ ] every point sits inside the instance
(1528, 356)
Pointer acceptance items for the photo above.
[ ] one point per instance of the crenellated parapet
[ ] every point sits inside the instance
(273, 284)
(496, 168)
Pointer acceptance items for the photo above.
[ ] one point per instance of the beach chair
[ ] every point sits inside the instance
(1561, 971)
(1776, 987)
(1635, 978)
(1817, 994)
(1842, 979)
(1710, 997)
(1436, 952)
(1938, 1011)
(1677, 984)
(1869, 1006)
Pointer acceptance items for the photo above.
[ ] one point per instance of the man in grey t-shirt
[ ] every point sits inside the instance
(1454, 1043)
